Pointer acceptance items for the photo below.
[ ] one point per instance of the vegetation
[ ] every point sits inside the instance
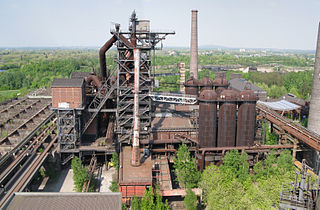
(231, 186)
(80, 175)
(151, 201)
(186, 168)
(270, 138)
(114, 187)
(190, 201)
(115, 160)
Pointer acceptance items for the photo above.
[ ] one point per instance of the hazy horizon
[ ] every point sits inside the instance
(250, 24)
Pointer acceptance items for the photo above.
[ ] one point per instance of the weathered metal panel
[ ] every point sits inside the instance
(246, 124)
(206, 84)
(227, 118)
(192, 86)
(246, 118)
(207, 119)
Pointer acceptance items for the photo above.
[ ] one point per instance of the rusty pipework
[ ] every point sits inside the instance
(248, 149)
(135, 158)
(194, 45)
(95, 80)
(102, 56)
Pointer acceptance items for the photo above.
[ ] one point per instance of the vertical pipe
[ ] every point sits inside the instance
(194, 45)
(135, 158)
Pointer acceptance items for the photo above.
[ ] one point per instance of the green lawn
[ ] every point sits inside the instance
(7, 94)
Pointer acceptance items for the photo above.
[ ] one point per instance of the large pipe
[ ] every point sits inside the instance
(314, 113)
(135, 158)
(95, 80)
(194, 45)
(102, 56)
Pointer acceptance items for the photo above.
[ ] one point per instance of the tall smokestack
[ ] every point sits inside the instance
(314, 113)
(194, 45)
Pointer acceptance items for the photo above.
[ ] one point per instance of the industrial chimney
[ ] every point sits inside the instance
(314, 113)
(194, 45)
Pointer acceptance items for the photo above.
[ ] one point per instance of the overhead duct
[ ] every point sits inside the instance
(194, 45)
(102, 56)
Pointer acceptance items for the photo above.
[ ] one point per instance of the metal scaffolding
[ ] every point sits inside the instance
(144, 40)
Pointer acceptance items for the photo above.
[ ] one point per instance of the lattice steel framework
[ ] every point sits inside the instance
(127, 42)
(68, 128)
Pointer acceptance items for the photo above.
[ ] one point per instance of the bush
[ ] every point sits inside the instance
(80, 174)
(190, 201)
(186, 168)
(114, 187)
(115, 160)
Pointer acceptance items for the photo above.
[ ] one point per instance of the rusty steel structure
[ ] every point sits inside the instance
(227, 118)
(246, 118)
(192, 86)
(301, 194)
(206, 84)
(207, 118)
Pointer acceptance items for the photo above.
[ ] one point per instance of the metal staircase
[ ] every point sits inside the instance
(99, 100)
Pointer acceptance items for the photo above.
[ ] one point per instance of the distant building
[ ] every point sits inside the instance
(239, 84)
(250, 69)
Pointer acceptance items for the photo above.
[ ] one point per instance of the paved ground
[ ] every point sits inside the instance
(106, 177)
(64, 182)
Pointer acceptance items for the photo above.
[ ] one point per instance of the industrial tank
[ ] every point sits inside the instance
(192, 86)
(227, 118)
(206, 84)
(220, 83)
(246, 118)
(207, 118)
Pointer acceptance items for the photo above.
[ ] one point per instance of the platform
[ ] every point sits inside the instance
(134, 175)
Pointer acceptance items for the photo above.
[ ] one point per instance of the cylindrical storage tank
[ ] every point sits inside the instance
(192, 86)
(227, 118)
(246, 118)
(207, 118)
(220, 83)
(206, 84)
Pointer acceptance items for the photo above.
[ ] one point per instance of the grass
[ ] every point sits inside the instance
(8, 94)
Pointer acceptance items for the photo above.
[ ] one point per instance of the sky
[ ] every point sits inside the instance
(280, 24)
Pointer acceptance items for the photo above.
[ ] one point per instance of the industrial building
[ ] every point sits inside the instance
(117, 110)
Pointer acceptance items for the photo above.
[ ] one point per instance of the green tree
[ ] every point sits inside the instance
(186, 168)
(135, 203)
(190, 201)
(80, 174)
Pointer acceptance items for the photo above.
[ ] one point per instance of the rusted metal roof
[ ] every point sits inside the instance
(170, 122)
(68, 201)
(131, 174)
(59, 82)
